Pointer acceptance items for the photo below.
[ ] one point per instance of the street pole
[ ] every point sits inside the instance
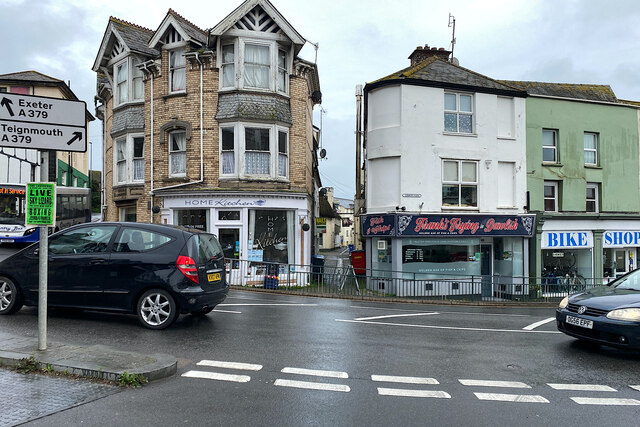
(42, 287)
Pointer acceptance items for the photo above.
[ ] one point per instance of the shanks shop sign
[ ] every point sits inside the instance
(452, 225)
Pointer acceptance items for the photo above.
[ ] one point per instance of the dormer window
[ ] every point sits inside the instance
(177, 70)
(128, 81)
(259, 64)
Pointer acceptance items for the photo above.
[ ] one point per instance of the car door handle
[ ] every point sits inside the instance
(97, 261)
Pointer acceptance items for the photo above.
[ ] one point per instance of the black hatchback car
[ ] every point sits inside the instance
(155, 271)
(608, 315)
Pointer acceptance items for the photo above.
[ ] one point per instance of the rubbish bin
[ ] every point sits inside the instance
(272, 270)
(317, 269)
(359, 262)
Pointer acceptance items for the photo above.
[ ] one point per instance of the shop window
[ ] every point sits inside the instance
(271, 235)
(128, 213)
(592, 198)
(590, 148)
(437, 258)
(549, 146)
(229, 215)
(194, 218)
(459, 183)
(562, 267)
(550, 196)
(458, 113)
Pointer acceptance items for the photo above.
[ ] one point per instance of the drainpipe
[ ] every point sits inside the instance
(201, 140)
(144, 65)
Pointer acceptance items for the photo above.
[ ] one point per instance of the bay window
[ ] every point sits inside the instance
(178, 153)
(228, 151)
(122, 83)
(257, 66)
(129, 159)
(228, 66)
(282, 71)
(129, 84)
(283, 160)
(257, 152)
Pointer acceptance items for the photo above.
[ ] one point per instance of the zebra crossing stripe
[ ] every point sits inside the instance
(317, 373)
(581, 387)
(519, 398)
(312, 386)
(217, 376)
(605, 401)
(408, 380)
(485, 383)
(413, 393)
(635, 387)
(396, 315)
(229, 365)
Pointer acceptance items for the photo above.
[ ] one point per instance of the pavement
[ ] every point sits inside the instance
(97, 361)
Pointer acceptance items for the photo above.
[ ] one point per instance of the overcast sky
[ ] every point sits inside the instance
(564, 41)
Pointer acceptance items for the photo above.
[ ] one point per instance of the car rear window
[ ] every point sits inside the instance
(137, 240)
(203, 246)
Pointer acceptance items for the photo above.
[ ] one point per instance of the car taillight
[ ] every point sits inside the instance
(187, 266)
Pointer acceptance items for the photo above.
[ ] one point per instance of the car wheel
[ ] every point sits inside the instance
(10, 296)
(157, 309)
(203, 312)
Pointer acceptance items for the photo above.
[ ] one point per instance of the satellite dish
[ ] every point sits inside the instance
(323, 153)
(455, 61)
(316, 96)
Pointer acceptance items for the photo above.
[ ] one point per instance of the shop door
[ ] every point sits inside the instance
(625, 261)
(230, 241)
(486, 270)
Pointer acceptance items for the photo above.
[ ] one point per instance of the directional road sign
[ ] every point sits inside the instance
(44, 123)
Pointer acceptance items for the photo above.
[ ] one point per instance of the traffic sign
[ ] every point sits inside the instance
(41, 204)
(44, 123)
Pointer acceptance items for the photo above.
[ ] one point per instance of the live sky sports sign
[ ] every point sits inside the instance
(41, 204)
(42, 123)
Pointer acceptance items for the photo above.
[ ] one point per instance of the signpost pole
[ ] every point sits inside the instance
(42, 287)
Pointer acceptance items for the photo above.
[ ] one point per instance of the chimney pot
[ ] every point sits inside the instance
(420, 54)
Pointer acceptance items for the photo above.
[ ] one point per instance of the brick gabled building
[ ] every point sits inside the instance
(212, 129)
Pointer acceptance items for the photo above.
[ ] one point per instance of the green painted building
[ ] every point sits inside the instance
(583, 181)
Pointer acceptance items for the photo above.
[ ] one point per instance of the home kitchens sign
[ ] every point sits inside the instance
(448, 225)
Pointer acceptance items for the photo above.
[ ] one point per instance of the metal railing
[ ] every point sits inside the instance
(341, 279)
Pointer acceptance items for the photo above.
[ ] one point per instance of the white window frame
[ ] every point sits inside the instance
(553, 147)
(171, 152)
(128, 160)
(460, 183)
(595, 200)
(458, 112)
(280, 154)
(555, 197)
(240, 151)
(234, 151)
(133, 74)
(230, 67)
(591, 150)
(239, 44)
(182, 47)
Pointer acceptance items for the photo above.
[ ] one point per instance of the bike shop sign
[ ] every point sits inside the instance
(621, 239)
(566, 239)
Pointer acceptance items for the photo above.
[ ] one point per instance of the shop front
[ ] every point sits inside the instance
(448, 254)
(254, 230)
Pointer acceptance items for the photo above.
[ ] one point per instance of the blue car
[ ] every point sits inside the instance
(607, 315)
(152, 270)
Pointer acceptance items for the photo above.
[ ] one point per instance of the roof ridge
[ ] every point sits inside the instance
(173, 12)
(554, 83)
(473, 72)
(131, 24)
(33, 71)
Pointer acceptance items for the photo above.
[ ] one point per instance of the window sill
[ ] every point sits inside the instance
(460, 208)
(182, 178)
(506, 138)
(228, 90)
(253, 178)
(175, 95)
(472, 135)
(552, 165)
(592, 167)
(128, 184)
(506, 207)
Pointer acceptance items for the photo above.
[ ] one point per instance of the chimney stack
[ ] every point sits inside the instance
(422, 53)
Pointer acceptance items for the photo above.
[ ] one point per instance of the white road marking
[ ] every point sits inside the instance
(217, 376)
(396, 315)
(540, 323)
(413, 393)
(520, 398)
(269, 304)
(407, 380)
(581, 387)
(635, 387)
(605, 401)
(487, 383)
(443, 312)
(312, 386)
(226, 311)
(446, 327)
(230, 365)
(318, 373)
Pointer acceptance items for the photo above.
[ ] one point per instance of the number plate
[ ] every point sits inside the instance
(6, 240)
(583, 323)
(213, 277)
